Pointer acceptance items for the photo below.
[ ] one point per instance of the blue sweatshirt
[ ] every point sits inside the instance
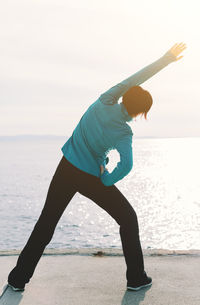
(104, 127)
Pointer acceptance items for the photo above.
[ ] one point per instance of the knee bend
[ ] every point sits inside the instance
(129, 219)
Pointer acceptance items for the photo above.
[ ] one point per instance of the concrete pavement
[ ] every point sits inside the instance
(84, 279)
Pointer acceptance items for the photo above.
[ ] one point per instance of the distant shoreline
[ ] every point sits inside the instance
(104, 252)
(51, 137)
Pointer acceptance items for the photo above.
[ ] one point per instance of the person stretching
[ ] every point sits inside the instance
(82, 169)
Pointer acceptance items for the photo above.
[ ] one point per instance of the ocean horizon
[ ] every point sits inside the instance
(64, 136)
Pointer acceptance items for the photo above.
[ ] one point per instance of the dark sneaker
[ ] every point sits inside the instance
(144, 282)
(17, 288)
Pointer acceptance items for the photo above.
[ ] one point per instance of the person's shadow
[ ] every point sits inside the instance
(9, 296)
(134, 297)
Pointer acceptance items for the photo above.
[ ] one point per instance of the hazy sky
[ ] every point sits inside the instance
(57, 57)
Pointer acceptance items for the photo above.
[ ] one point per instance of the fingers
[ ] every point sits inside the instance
(179, 47)
(182, 46)
(175, 51)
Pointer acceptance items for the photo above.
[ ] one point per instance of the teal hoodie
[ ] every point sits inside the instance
(104, 127)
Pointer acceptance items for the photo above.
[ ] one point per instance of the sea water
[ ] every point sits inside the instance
(163, 188)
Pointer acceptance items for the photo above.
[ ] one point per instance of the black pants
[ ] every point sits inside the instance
(66, 181)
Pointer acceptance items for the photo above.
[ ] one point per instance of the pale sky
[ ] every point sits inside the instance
(58, 56)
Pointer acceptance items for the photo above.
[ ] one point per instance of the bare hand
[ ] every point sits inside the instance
(102, 169)
(176, 50)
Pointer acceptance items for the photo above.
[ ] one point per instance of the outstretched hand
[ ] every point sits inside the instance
(176, 50)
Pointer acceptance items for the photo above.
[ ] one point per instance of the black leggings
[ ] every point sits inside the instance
(66, 181)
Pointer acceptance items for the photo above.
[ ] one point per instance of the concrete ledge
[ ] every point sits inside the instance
(104, 252)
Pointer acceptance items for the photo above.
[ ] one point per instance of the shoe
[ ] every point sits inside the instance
(144, 282)
(16, 288)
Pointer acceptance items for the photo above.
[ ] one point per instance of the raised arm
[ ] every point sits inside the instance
(112, 95)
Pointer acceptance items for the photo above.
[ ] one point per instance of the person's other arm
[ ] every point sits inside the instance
(124, 166)
(112, 95)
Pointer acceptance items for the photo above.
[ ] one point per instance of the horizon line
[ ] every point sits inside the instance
(53, 135)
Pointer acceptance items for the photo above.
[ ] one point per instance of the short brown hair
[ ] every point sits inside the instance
(137, 100)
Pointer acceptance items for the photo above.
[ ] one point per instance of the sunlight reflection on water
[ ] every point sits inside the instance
(163, 187)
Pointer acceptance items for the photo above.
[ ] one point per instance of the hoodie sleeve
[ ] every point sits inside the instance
(112, 95)
(124, 166)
